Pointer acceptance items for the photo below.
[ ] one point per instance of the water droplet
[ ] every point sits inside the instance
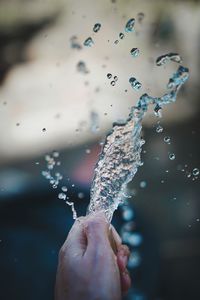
(140, 17)
(112, 82)
(81, 67)
(121, 35)
(130, 25)
(116, 42)
(135, 52)
(88, 151)
(74, 43)
(159, 129)
(43, 129)
(81, 195)
(167, 139)
(64, 188)
(96, 27)
(198, 220)
(135, 84)
(172, 156)
(115, 78)
(195, 172)
(163, 59)
(143, 184)
(62, 196)
(55, 154)
(88, 42)
(109, 75)
(73, 185)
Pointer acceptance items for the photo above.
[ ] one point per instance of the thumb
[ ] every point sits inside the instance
(97, 230)
(76, 242)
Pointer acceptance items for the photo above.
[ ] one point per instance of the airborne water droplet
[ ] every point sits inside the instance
(130, 25)
(195, 171)
(115, 78)
(163, 59)
(140, 17)
(143, 184)
(167, 139)
(64, 188)
(88, 42)
(121, 35)
(62, 196)
(135, 84)
(135, 52)
(113, 83)
(159, 129)
(109, 75)
(81, 67)
(172, 156)
(96, 27)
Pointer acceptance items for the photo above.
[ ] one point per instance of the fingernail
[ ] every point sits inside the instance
(116, 235)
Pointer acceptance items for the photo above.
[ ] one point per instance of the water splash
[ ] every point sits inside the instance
(94, 122)
(121, 153)
(172, 156)
(88, 42)
(140, 17)
(81, 67)
(195, 171)
(135, 52)
(121, 35)
(136, 85)
(73, 209)
(54, 178)
(74, 43)
(163, 59)
(130, 25)
(96, 27)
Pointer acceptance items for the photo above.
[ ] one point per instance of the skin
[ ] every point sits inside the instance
(88, 268)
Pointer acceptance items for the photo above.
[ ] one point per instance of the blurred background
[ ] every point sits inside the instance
(55, 96)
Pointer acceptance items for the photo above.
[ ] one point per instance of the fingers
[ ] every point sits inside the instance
(96, 230)
(76, 241)
(116, 236)
(122, 260)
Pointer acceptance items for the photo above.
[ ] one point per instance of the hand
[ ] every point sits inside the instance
(88, 269)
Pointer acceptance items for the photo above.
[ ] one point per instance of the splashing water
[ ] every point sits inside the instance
(73, 209)
(136, 85)
(163, 59)
(94, 122)
(121, 35)
(81, 67)
(172, 156)
(130, 25)
(195, 172)
(96, 27)
(121, 153)
(88, 42)
(74, 43)
(140, 17)
(135, 52)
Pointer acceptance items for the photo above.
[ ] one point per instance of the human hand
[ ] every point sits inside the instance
(88, 268)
